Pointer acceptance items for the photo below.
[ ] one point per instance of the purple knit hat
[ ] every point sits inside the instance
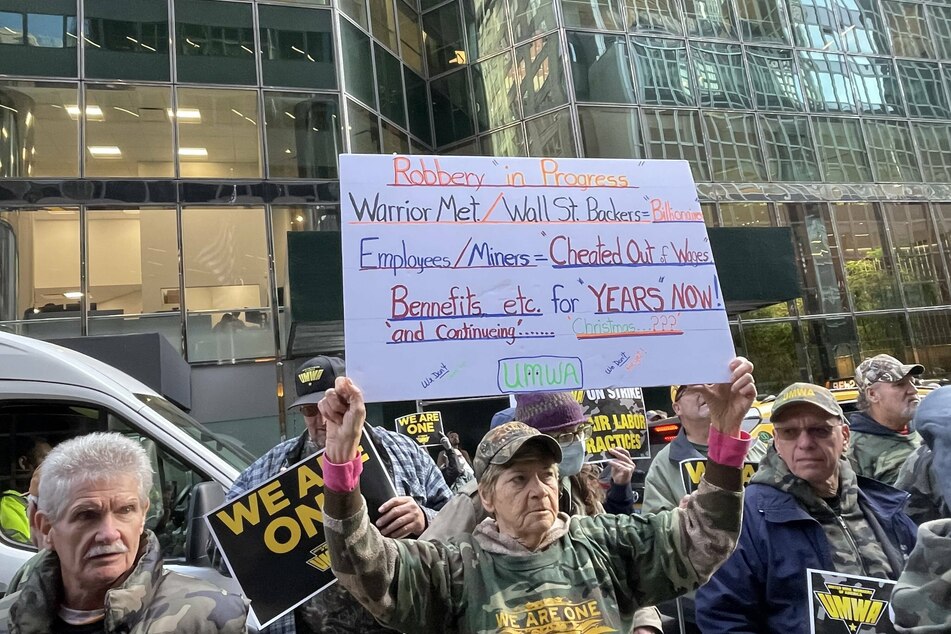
(548, 412)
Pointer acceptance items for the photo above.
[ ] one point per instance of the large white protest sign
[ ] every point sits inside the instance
(468, 276)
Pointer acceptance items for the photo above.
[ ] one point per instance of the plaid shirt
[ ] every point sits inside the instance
(413, 471)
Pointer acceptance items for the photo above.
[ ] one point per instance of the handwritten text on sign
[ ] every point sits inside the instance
(514, 275)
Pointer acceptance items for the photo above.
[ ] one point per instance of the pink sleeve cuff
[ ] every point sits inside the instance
(342, 478)
(728, 450)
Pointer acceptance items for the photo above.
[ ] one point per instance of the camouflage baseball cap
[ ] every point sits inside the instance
(501, 444)
(805, 393)
(883, 367)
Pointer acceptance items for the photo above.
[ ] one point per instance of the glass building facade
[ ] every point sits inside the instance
(154, 154)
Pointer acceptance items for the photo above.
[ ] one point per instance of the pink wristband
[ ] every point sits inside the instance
(728, 450)
(342, 478)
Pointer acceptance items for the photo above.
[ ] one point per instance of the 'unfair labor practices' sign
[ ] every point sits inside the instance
(272, 537)
(617, 421)
(848, 604)
(468, 276)
(423, 427)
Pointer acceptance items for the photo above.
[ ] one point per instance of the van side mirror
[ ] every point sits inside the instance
(205, 497)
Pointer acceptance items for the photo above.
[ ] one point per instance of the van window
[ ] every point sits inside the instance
(236, 456)
(25, 426)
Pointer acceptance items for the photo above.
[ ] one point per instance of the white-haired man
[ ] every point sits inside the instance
(103, 571)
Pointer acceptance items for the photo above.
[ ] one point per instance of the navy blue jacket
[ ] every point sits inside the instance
(762, 587)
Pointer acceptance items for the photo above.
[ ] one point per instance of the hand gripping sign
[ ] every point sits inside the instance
(272, 537)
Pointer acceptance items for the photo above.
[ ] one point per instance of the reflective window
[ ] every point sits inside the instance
(418, 106)
(33, 295)
(452, 108)
(710, 217)
(389, 78)
(601, 68)
(762, 21)
(663, 76)
(891, 151)
(931, 332)
(943, 216)
(828, 85)
(610, 132)
(357, 63)
(38, 38)
(923, 90)
(496, 91)
(127, 39)
(297, 47)
(775, 80)
(411, 37)
(655, 16)
(468, 148)
(39, 130)
(129, 131)
(541, 75)
(356, 10)
(676, 134)
(842, 150)
(394, 140)
(862, 27)
(442, 33)
(883, 334)
(941, 29)
(364, 129)
(551, 135)
(383, 22)
(745, 214)
(488, 26)
(934, 144)
(505, 142)
(832, 347)
(814, 24)
(721, 76)
(773, 347)
(869, 268)
(227, 285)
(906, 23)
(531, 18)
(132, 269)
(710, 18)
(920, 267)
(789, 152)
(215, 42)
(734, 147)
(823, 281)
(218, 133)
(595, 14)
(303, 135)
(876, 84)
(315, 3)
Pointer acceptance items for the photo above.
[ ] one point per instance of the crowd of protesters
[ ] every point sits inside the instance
(530, 541)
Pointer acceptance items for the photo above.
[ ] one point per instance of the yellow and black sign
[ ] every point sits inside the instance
(272, 537)
(552, 614)
(692, 470)
(423, 427)
(617, 420)
(849, 604)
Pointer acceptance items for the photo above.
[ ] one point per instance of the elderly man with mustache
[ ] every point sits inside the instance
(102, 571)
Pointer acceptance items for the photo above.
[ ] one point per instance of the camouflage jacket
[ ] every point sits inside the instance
(876, 451)
(664, 484)
(922, 598)
(592, 575)
(919, 479)
(151, 600)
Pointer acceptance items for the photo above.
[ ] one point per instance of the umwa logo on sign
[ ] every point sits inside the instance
(848, 604)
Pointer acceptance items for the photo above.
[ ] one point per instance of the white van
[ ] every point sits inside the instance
(52, 393)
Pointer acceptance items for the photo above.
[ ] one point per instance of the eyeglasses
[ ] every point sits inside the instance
(309, 410)
(816, 433)
(568, 437)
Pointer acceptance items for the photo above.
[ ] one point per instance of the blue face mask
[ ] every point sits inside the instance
(572, 458)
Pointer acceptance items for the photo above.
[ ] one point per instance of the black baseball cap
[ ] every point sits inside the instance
(314, 377)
